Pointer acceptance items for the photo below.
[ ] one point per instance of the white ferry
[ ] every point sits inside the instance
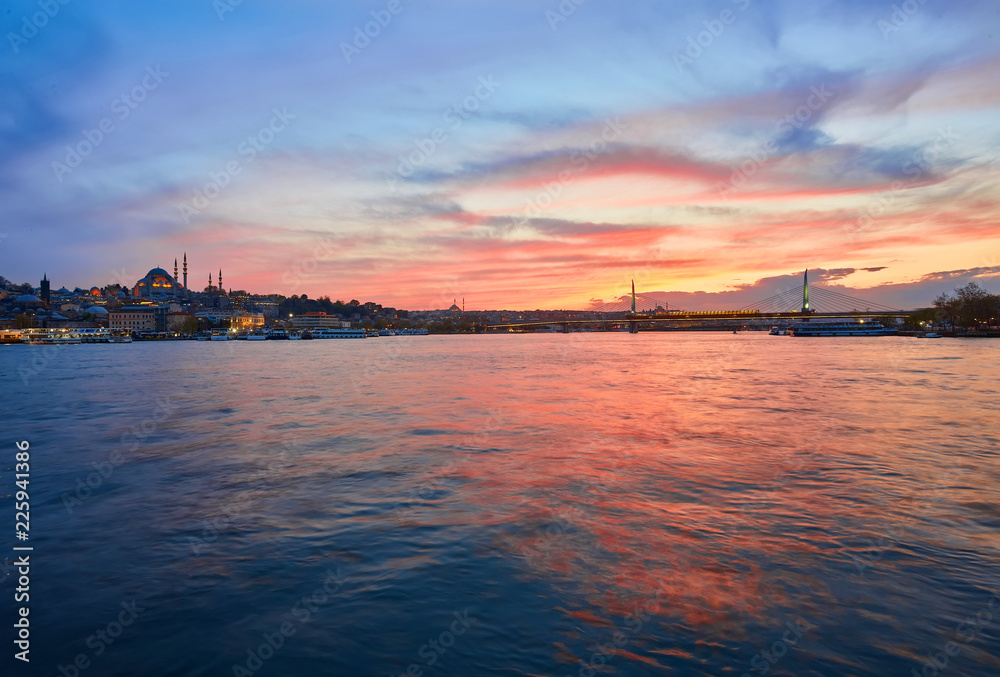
(220, 335)
(48, 337)
(257, 335)
(277, 335)
(338, 333)
(860, 328)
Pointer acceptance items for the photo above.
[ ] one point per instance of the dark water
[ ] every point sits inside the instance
(695, 504)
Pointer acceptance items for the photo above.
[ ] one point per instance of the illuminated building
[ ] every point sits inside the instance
(158, 283)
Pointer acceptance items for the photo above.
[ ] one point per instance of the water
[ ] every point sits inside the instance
(692, 504)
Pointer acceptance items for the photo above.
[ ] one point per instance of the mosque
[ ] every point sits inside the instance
(159, 284)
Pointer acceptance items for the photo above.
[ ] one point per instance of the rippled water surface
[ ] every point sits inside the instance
(691, 504)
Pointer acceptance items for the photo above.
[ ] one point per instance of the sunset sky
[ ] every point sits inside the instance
(517, 154)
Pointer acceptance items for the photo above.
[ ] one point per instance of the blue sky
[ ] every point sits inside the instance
(519, 154)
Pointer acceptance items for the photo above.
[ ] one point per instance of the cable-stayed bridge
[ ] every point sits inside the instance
(793, 305)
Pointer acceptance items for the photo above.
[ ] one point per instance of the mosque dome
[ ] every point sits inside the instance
(27, 298)
(96, 310)
(157, 272)
(95, 291)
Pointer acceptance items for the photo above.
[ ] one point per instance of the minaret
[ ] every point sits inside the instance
(185, 271)
(633, 297)
(220, 279)
(805, 292)
(209, 282)
(175, 269)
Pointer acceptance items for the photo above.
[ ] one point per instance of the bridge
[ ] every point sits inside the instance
(792, 305)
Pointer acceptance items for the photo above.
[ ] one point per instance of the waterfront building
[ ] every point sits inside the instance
(246, 321)
(139, 318)
(319, 320)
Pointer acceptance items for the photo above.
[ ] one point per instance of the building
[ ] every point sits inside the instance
(46, 290)
(158, 284)
(246, 321)
(319, 320)
(139, 318)
(214, 315)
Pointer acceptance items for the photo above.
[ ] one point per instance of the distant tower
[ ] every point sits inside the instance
(209, 282)
(185, 270)
(220, 279)
(46, 294)
(805, 292)
(175, 269)
(633, 297)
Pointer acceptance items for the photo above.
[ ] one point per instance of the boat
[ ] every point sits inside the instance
(294, 336)
(220, 335)
(338, 334)
(859, 328)
(306, 335)
(257, 335)
(277, 335)
(930, 334)
(119, 337)
(202, 336)
(386, 332)
(11, 336)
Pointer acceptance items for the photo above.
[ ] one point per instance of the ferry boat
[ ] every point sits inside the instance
(860, 328)
(49, 337)
(294, 336)
(220, 335)
(338, 333)
(277, 335)
(257, 335)
(11, 336)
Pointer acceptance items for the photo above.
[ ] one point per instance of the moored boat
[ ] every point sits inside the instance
(859, 328)
(338, 333)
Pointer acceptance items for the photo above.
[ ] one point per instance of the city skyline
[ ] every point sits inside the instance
(524, 156)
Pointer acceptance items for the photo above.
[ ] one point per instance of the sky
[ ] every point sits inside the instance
(516, 154)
